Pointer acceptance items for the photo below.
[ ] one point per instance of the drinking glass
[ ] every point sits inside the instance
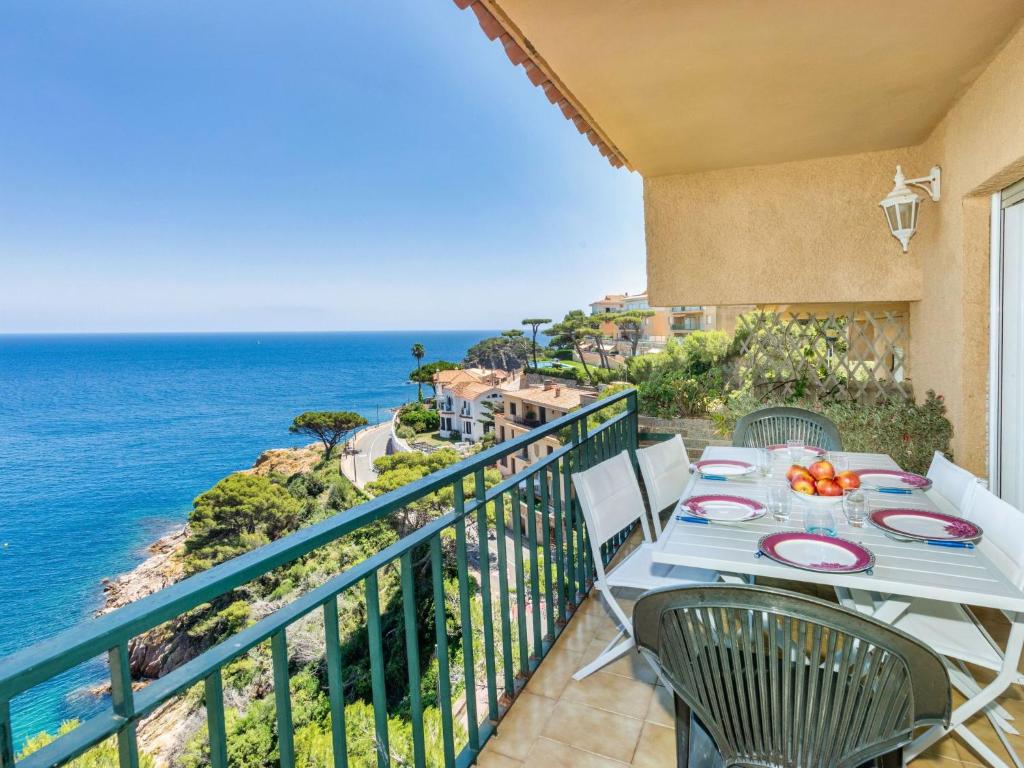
(796, 450)
(764, 462)
(820, 520)
(780, 502)
(855, 505)
(839, 461)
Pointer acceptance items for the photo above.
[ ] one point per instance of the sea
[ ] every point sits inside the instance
(106, 439)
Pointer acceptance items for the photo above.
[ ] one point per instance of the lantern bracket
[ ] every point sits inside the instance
(930, 183)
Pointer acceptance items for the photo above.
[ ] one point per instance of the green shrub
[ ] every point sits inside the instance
(239, 513)
(102, 755)
(405, 433)
(419, 419)
(908, 432)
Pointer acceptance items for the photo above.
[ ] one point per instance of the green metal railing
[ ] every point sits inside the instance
(523, 609)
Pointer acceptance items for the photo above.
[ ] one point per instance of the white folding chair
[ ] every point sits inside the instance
(952, 630)
(665, 468)
(610, 497)
(955, 484)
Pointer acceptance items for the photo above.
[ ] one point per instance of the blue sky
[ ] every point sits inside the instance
(307, 165)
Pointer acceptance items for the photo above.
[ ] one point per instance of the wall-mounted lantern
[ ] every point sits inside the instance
(900, 205)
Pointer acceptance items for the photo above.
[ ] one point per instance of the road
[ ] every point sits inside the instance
(369, 444)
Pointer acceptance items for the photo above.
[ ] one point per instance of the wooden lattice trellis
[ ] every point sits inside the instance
(858, 355)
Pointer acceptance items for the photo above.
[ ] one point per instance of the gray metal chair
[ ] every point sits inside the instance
(773, 426)
(780, 679)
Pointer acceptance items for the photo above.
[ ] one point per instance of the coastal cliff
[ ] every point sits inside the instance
(153, 654)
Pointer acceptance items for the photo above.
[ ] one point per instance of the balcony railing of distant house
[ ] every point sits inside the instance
(685, 326)
(513, 612)
(529, 421)
(680, 310)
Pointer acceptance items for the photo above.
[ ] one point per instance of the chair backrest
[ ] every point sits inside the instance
(955, 484)
(782, 679)
(773, 426)
(610, 497)
(665, 468)
(1002, 527)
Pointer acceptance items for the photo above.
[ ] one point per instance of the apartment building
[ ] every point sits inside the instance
(530, 406)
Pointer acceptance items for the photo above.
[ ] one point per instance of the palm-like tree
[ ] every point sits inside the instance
(535, 323)
(418, 352)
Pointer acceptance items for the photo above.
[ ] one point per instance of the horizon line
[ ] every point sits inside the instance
(239, 333)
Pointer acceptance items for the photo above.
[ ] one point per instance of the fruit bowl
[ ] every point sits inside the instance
(819, 483)
(821, 501)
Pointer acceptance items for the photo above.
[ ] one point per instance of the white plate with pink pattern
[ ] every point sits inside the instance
(892, 480)
(721, 508)
(924, 525)
(724, 467)
(814, 552)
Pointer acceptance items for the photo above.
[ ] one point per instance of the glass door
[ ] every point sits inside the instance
(1009, 379)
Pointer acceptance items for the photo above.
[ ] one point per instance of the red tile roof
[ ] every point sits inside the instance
(541, 75)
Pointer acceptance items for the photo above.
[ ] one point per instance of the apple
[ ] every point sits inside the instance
(796, 471)
(828, 487)
(822, 470)
(803, 485)
(848, 479)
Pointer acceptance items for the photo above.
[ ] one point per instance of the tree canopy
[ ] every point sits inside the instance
(330, 427)
(239, 513)
(631, 325)
(572, 331)
(425, 374)
(508, 352)
(535, 323)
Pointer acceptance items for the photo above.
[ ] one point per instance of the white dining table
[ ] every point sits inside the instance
(902, 570)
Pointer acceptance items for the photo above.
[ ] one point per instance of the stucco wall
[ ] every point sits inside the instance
(812, 231)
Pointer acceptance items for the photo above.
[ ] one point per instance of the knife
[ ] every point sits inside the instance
(688, 519)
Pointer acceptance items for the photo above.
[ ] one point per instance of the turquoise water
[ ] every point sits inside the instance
(105, 440)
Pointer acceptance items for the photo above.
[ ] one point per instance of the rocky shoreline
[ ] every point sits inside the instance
(160, 569)
(162, 734)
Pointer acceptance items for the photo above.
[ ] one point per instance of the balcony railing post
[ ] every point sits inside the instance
(444, 680)
(633, 409)
(505, 614)
(335, 682)
(377, 685)
(123, 702)
(283, 699)
(545, 505)
(556, 494)
(485, 595)
(466, 617)
(531, 538)
(213, 693)
(516, 512)
(6, 736)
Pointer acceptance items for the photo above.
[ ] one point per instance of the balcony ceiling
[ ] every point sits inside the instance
(690, 85)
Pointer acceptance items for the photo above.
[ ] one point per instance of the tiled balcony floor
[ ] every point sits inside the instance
(621, 716)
